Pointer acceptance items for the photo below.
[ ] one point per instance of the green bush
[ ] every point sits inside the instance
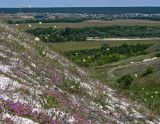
(57, 20)
(49, 102)
(73, 34)
(157, 55)
(104, 48)
(148, 71)
(69, 85)
(125, 81)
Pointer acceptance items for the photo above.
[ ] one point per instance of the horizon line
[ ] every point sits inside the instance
(80, 7)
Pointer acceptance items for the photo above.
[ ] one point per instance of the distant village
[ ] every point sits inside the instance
(88, 16)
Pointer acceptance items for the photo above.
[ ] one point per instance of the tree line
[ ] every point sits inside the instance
(72, 34)
(58, 20)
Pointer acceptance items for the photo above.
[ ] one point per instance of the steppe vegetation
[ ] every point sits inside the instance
(55, 75)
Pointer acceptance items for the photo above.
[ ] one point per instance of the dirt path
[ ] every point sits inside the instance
(121, 39)
(111, 72)
(146, 61)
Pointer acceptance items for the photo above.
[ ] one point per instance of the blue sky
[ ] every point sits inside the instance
(78, 3)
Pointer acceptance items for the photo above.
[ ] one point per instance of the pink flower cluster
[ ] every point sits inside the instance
(23, 110)
(8, 121)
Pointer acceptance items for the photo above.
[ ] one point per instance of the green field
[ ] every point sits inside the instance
(71, 46)
(90, 23)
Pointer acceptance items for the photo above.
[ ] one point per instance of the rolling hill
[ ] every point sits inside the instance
(38, 85)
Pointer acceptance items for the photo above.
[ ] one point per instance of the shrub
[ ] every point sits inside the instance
(148, 71)
(49, 102)
(71, 87)
(113, 58)
(157, 55)
(125, 81)
(104, 48)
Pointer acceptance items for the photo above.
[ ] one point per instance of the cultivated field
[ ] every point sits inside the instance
(91, 23)
(70, 46)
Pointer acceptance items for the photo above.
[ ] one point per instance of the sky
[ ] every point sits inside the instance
(78, 3)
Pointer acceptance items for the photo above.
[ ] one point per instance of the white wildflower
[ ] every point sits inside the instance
(40, 23)
(37, 39)
(72, 87)
(46, 86)
(71, 120)
(156, 92)
(29, 25)
(62, 114)
(43, 53)
(76, 82)
(101, 107)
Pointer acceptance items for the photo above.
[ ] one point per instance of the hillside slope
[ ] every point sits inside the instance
(40, 86)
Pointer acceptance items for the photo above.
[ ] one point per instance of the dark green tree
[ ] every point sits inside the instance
(125, 81)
